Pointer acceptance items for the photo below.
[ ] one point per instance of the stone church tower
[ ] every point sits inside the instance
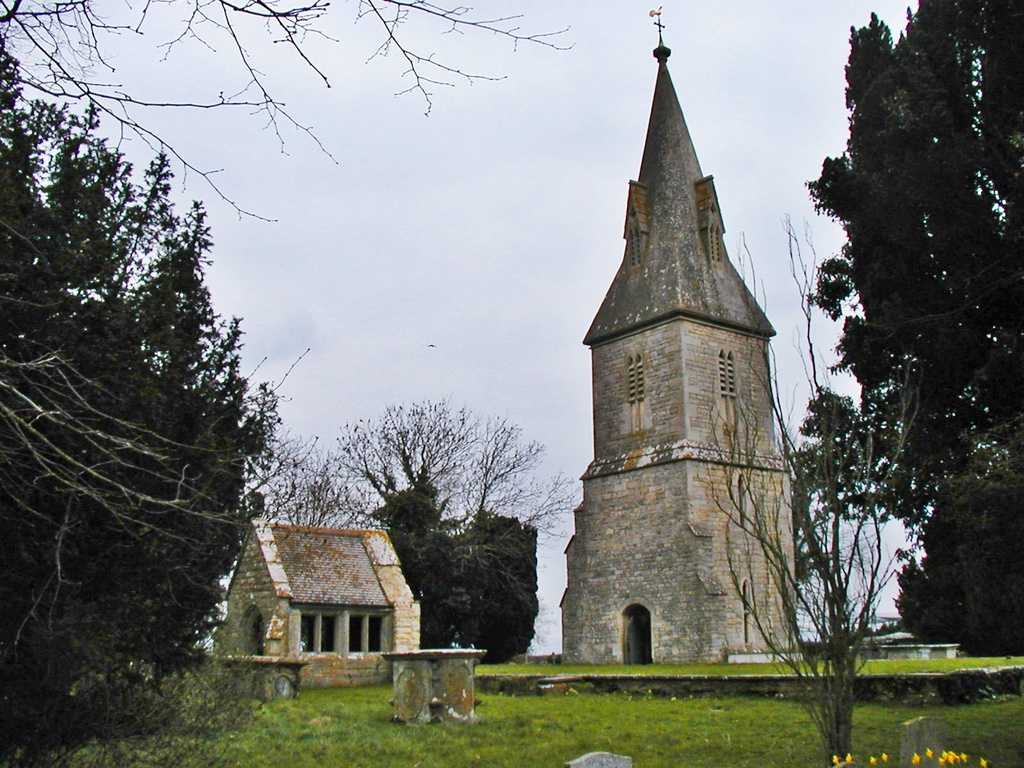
(684, 450)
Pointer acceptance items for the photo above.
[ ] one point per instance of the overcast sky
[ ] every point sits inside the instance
(463, 254)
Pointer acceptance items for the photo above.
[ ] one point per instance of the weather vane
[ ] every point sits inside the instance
(656, 15)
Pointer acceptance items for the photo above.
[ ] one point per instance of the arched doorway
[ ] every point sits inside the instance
(636, 645)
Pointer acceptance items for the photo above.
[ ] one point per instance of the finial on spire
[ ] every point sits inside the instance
(662, 52)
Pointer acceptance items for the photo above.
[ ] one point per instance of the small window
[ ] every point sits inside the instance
(715, 249)
(747, 617)
(327, 625)
(317, 633)
(365, 633)
(376, 634)
(355, 634)
(307, 641)
(726, 374)
(741, 498)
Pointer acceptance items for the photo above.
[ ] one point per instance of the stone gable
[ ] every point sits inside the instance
(332, 600)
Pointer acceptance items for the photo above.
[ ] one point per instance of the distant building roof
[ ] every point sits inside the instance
(326, 566)
(893, 638)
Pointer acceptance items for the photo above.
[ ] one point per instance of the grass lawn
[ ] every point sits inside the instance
(351, 727)
(893, 667)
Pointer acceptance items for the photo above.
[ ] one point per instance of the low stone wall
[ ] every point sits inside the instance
(327, 670)
(914, 689)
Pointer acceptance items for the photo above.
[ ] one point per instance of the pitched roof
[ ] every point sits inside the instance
(684, 270)
(326, 566)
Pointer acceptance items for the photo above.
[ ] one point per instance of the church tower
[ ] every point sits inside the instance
(660, 568)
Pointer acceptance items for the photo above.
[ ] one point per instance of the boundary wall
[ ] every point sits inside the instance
(959, 687)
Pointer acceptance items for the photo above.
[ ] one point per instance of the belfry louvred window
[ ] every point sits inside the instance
(635, 378)
(726, 374)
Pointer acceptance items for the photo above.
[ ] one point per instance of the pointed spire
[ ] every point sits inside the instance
(669, 158)
(675, 263)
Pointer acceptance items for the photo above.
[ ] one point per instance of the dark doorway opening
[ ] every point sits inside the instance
(637, 640)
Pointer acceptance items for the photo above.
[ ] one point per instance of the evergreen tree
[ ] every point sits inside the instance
(124, 429)
(476, 581)
(930, 191)
(981, 538)
(504, 585)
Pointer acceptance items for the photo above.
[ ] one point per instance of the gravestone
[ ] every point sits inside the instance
(600, 760)
(920, 735)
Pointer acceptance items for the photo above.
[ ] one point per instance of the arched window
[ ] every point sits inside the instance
(635, 241)
(637, 224)
(255, 632)
(715, 249)
(636, 391)
(742, 494)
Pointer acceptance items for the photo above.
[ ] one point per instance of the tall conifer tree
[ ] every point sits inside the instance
(931, 280)
(124, 428)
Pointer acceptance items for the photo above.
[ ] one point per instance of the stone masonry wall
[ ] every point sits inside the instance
(663, 405)
(326, 670)
(634, 546)
(251, 587)
(710, 421)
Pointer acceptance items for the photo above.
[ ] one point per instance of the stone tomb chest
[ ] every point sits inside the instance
(434, 685)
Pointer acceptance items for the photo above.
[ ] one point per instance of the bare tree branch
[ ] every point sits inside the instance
(476, 465)
(61, 44)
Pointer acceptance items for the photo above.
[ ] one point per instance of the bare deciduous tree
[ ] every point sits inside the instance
(300, 482)
(44, 403)
(475, 464)
(822, 559)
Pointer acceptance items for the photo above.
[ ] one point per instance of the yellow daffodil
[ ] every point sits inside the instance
(929, 754)
(963, 756)
(916, 760)
(885, 758)
(849, 757)
(873, 760)
(942, 761)
(835, 759)
(984, 763)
